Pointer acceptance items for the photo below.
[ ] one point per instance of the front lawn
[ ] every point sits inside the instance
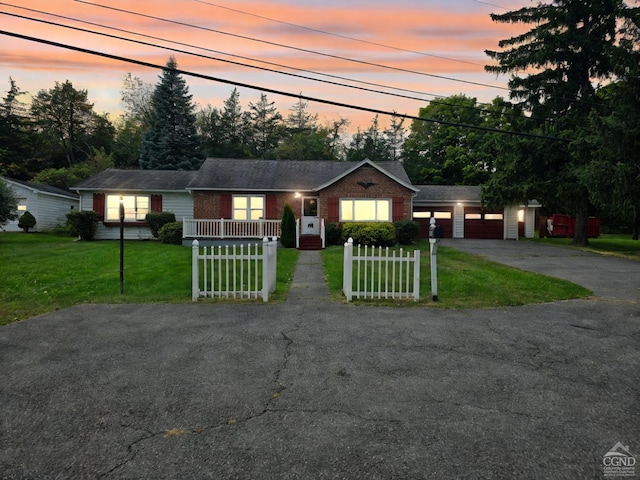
(466, 281)
(608, 244)
(43, 272)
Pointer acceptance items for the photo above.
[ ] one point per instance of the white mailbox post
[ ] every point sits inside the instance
(433, 250)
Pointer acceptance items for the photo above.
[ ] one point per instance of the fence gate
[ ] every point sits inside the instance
(375, 273)
(232, 271)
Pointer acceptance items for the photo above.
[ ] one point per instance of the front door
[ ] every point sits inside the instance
(310, 220)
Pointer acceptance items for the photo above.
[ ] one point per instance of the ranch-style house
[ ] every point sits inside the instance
(240, 199)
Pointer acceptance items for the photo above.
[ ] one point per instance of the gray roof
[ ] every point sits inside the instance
(447, 194)
(138, 180)
(282, 175)
(43, 188)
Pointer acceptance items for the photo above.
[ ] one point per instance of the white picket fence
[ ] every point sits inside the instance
(234, 271)
(375, 273)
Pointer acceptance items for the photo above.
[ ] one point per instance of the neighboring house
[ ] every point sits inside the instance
(49, 205)
(458, 209)
(141, 191)
(236, 198)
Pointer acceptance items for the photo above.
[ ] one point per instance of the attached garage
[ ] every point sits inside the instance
(443, 216)
(458, 209)
(479, 223)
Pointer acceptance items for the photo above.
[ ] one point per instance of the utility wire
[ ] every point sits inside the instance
(274, 91)
(478, 108)
(215, 51)
(338, 35)
(467, 107)
(304, 50)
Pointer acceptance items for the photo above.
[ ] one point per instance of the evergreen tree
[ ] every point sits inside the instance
(572, 45)
(16, 135)
(266, 123)
(370, 144)
(172, 142)
(8, 204)
(233, 128)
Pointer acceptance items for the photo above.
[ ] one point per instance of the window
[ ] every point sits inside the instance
(136, 208)
(248, 207)
(473, 216)
(365, 210)
(493, 216)
(442, 215)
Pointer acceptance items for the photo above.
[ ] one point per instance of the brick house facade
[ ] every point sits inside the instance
(289, 182)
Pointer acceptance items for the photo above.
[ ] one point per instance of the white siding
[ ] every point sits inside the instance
(511, 222)
(179, 203)
(458, 221)
(49, 210)
(529, 222)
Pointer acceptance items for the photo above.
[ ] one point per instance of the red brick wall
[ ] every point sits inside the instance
(207, 204)
(384, 187)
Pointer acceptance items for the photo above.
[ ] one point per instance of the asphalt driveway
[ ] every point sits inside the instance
(316, 389)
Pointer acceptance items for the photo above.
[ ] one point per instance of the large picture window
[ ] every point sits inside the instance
(248, 207)
(136, 208)
(365, 210)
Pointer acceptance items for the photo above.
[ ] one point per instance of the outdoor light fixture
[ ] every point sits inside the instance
(297, 194)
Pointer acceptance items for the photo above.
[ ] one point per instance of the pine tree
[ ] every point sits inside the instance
(172, 141)
(266, 124)
(572, 45)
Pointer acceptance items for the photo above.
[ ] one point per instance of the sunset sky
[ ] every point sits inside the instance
(415, 48)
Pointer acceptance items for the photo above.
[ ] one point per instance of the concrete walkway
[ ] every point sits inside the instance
(308, 283)
(312, 388)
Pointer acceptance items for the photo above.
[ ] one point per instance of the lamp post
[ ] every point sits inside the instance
(121, 246)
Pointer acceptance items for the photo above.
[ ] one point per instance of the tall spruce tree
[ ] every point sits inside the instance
(172, 141)
(572, 45)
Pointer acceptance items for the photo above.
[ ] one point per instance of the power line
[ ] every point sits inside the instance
(333, 34)
(304, 50)
(478, 108)
(467, 107)
(274, 91)
(214, 51)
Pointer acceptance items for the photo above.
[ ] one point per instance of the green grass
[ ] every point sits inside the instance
(615, 245)
(467, 281)
(42, 273)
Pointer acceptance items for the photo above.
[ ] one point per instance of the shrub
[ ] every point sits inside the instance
(84, 223)
(27, 221)
(157, 220)
(63, 230)
(406, 231)
(333, 234)
(381, 234)
(171, 233)
(288, 228)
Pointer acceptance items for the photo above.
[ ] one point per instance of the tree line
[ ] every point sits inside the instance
(574, 124)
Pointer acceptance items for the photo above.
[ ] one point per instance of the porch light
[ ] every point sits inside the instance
(297, 194)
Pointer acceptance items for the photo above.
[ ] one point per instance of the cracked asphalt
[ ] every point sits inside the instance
(312, 388)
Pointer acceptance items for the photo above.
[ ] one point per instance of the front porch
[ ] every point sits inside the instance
(216, 230)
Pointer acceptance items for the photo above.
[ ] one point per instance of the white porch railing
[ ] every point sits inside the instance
(225, 228)
(368, 274)
(234, 271)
